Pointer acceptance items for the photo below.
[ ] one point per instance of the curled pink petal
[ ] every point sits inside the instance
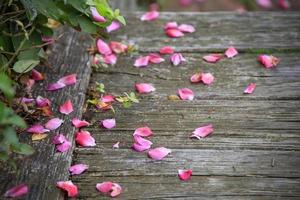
(250, 88)
(141, 144)
(213, 58)
(66, 108)
(47, 39)
(78, 169)
(65, 146)
(186, 28)
(103, 48)
(158, 153)
(265, 3)
(174, 33)
(96, 16)
(110, 59)
(142, 61)
(29, 84)
(53, 124)
(118, 47)
(144, 88)
(59, 139)
(109, 123)
(231, 52)
(203, 131)
(186, 94)
(69, 187)
(116, 190)
(284, 4)
(115, 25)
(116, 145)
(37, 128)
(36, 75)
(155, 58)
(185, 174)
(177, 58)
(109, 188)
(268, 61)
(25, 100)
(171, 25)
(143, 131)
(84, 138)
(196, 78)
(68, 80)
(79, 123)
(17, 191)
(207, 78)
(42, 102)
(150, 16)
(166, 50)
(108, 98)
(55, 86)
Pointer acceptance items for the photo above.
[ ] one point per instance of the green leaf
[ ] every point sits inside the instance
(127, 104)
(16, 120)
(121, 19)
(10, 136)
(87, 25)
(6, 86)
(3, 156)
(23, 148)
(23, 66)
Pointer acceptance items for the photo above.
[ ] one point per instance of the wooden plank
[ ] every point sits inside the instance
(208, 187)
(124, 5)
(216, 31)
(42, 170)
(231, 77)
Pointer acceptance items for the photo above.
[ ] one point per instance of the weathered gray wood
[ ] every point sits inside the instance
(216, 31)
(42, 170)
(124, 5)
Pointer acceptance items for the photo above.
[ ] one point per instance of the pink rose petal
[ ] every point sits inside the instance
(84, 138)
(177, 58)
(166, 50)
(68, 80)
(185, 2)
(36, 75)
(53, 124)
(103, 48)
(65, 146)
(59, 139)
(155, 58)
(25, 100)
(17, 191)
(110, 59)
(203, 131)
(150, 16)
(265, 3)
(142, 61)
(141, 144)
(284, 4)
(118, 47)
(109, 188)
(250, 88)
(55, 86)
(69, 187)
(186, 28)
(42, 102)
(186, 94)
(158, 153)
(143, 131)
(144, 88)
(29, 84)
(109, 123)
(66, 108)
(171, 25)
(174, 33)
(213, 58)
(231, 52)
(207, 78)
(268, 61)
(196, 78)
(37, 129)
(116, 190)
(184, 174)
(108, 98)
(116, 145)
(115, 25)
(96, 16)
(78, 169)
(79, 123)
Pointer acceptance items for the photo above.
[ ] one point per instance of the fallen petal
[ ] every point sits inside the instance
(268, 61)
(150, 16)
(250, 88)
(68, 80)
(143, 131)
(115, 25)
(142, 61)
(141, 144)
(186, 94)
(174, 33)
(53, 124)
(36, 75)
(96, 16)
(158, 153)
(104, 187)
(55, 86)
(185, 174)
(213, 58)
(103, 48)
(59, 139)
(116, 145)
(66, 108)
(42, 102)
(196, 78)
(144, 88)
(38, 136)
(231, 52)
(186, 28)
(203, 131)
(207, 78)
(37, 128)
(109, 123)
(69, 187)
(79, 123)
(177, 58)
(65, 146)
(29, 84)
(116, 190)
(25, 100)
(110, 59)
(284, 4)
(171, 25)
(118, 47)
(17, 191)
(84, 138)
(108, 98)
(166, 50)
(78, 169)
(265, 3)
(155, 58)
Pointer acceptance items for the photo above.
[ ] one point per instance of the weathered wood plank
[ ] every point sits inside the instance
(231, 77)
(212, 187)
(124, 5)
(42, 170)
(216, 31)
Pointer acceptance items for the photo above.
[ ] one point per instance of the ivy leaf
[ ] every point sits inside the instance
(23, 66)
(23, 148)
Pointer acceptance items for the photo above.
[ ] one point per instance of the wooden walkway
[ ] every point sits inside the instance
(254, 152)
